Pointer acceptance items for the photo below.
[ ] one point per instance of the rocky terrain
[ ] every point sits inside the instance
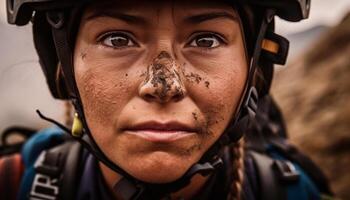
(314, 94)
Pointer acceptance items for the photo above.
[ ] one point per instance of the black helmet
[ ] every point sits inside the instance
(54, 35)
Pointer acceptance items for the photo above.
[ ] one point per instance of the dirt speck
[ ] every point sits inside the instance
(195, 116)
(193, 77)
(207, 84)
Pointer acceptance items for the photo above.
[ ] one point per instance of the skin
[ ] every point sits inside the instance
(163, 65)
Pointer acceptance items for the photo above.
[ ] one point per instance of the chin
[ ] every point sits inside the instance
(159, 167)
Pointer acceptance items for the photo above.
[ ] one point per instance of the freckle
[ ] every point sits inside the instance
(207, 84)
(126, 75)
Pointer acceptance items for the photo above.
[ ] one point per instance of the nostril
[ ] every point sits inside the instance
(149, 97)
(177, 97)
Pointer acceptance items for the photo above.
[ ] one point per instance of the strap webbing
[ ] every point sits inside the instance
(56, 171)
(268, 181)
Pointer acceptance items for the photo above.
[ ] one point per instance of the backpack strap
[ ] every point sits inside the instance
(282, 179)
(269, 186)
(293, 154)
(45, 155)
(11, 170)
(304, 187)
(56, 170)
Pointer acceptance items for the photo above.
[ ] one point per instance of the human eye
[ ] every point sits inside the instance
(117, 40)
(207, 40)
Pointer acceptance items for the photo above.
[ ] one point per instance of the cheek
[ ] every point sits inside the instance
(105, 81)
(98, 95)
(103, 89)
(220, 88)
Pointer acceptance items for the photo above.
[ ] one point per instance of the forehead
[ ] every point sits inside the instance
(150, 9)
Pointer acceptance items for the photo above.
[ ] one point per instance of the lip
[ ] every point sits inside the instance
(161, 132)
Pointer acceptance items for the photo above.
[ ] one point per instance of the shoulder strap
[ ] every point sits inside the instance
(281, 179)
(270, 187)
(56, 172)
(292, 153)
(11, 170)
(45, 155)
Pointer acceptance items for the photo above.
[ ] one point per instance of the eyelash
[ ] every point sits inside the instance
(124, 34)
(195, 36)
(198, 35)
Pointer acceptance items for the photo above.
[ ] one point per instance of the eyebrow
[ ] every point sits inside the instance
(131, 19)
(209, 16)
(139, 20)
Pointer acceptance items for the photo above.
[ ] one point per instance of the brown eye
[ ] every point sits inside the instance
(117, 40)
(206, 41)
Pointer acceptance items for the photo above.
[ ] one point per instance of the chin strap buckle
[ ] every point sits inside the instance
(126, 189)
(251, 105)
(206, 168)
(248, 113)
(286, 171)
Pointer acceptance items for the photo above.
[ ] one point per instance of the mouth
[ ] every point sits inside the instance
(161, 132)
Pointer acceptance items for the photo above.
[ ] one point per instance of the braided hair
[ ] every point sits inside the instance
(238, 170)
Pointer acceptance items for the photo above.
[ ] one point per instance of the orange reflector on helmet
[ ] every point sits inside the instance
(270, 46)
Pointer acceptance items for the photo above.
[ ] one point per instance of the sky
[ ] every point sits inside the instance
(323, 12)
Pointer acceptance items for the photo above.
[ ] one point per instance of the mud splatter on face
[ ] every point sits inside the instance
(207, 83)
(195, 78)
(192, 77)
(211, 117)
(195, 116)
(214, 116)
(163, 78)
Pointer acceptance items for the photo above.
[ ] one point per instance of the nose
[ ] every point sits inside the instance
(163, 82)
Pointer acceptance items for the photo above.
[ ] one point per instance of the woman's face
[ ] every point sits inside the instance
(159, 81)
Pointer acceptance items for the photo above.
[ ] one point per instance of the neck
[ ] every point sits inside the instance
(188, 192)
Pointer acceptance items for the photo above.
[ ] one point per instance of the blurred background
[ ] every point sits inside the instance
(313, 89)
